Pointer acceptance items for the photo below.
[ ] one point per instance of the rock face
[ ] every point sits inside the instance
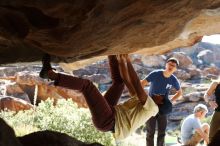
(40, 138)
(7, 138)
(52, 138)
(78, 29)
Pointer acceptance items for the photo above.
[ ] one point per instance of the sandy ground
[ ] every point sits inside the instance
(140, 140)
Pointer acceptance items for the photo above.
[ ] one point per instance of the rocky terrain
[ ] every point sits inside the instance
(21, 88)
(84, 31)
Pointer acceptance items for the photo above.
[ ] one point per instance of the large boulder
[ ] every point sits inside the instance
(27, 85)
(206, 57)
(16, 91)
(79, 29)
(154, 61)
(7, 135)
(52, 138)
(40, 138)
(14, 104)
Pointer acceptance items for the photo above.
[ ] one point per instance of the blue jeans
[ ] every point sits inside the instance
(161, 121)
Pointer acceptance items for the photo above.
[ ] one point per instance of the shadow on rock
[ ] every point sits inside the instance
(7, 135)
(40, 138)
(52, 138)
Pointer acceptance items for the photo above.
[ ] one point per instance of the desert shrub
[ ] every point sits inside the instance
(207, 119)
(65, 117)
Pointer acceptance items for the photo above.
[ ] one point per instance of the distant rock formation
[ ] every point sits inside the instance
(20, 91)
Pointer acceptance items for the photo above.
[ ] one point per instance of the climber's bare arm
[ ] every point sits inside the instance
(142, 95)
(125, 75)
(132, 78)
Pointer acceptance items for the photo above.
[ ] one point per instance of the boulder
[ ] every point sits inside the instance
(206, 56)
(39, 138)
(52, 138)
(7, 135)
(16, 91)
(213, 70)
(82, 29)
(14, 104)
(194, 96)
(156, 61)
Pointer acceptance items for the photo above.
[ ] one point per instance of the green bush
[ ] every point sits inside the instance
(207, 119)
(65, 117)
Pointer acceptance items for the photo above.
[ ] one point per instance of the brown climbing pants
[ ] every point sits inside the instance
(101, 107)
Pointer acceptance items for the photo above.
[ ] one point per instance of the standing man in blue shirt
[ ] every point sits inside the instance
(161, 81)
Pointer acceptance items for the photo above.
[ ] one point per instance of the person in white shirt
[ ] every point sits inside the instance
(192, 131)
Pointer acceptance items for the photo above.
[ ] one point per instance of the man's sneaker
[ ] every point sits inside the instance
(46, 66)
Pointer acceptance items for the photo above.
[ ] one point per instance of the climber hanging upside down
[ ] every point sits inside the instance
(107, 115)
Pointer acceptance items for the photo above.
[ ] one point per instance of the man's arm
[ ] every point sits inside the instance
(144, 83)
(208, 96)
(177, 95)
(202, 134)
(124, 74)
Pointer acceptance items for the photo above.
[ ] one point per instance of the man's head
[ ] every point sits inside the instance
(174, 60)
(200, 110)
(171, 65)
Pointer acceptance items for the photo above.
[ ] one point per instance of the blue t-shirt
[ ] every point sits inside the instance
(162, 85)
(190, 124)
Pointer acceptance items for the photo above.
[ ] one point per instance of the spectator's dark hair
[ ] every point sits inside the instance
(215, 141)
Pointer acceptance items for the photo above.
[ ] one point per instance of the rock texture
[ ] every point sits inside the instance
(25, 89)
(52, 138)
(40, 138)
(7, 138)
(79, 29)
(14, 104)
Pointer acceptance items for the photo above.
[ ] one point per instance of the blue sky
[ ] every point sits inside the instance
(214, 39)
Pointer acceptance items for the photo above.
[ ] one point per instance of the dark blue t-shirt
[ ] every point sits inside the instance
(162, 85)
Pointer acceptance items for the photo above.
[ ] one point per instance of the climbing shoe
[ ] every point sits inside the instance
(46, 66)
